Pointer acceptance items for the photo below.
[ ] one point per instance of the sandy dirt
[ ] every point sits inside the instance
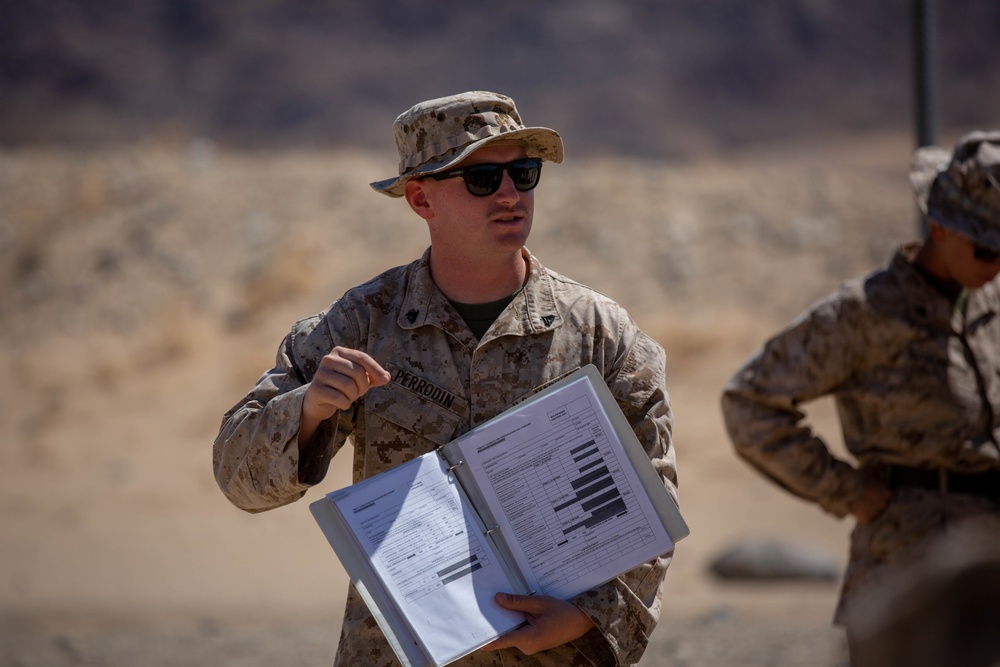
(144, 288)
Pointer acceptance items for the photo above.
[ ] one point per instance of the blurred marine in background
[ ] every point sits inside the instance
(423, 353)
(911, 355)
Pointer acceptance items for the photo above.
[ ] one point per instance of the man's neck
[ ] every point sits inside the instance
(928, 261)
(472, 280)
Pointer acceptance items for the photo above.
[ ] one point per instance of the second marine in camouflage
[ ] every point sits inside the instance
(911, 355)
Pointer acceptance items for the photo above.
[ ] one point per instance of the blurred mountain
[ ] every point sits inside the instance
(643, 77)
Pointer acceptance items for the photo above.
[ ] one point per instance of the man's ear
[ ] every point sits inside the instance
(416, 194)
(936, 230)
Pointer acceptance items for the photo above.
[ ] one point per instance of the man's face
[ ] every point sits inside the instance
(966, 268)
(480, 226)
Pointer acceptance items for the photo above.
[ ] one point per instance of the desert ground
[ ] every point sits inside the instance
(144, 287)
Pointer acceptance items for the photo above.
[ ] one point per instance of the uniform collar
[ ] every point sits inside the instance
(929, 304)
(532, 311)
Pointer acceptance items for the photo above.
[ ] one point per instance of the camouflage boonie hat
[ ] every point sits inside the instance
(927, 163)
(437, 134)
(965, 195)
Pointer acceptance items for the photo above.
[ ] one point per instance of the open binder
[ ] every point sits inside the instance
(554, 496)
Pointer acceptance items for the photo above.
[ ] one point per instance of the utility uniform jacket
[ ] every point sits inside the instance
(444, 383)
(915, 376)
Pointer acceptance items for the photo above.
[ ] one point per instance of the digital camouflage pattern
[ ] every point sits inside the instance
(916, 382)
(445, 382)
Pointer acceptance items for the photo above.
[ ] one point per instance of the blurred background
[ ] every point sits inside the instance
(640, 78)
(181, 180)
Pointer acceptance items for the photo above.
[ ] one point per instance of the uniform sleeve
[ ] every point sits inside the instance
(625, 610)
(256, 453)
(814, 356)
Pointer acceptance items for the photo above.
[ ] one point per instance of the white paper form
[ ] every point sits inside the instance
(430, 553)
(566, 490)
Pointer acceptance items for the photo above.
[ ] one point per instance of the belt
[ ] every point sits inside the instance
(980, 484)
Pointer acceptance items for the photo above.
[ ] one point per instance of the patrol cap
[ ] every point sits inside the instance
(439, 133)
(965, 195)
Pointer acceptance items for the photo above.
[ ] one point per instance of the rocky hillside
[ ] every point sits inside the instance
(644, 77)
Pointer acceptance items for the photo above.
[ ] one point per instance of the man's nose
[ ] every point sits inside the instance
(507, 190)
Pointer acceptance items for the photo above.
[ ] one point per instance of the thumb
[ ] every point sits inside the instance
(525, 603)
(379, 377)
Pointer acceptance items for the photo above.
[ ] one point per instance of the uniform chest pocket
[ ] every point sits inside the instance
(409, 409)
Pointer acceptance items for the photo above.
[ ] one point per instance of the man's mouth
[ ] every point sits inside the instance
(508, 217)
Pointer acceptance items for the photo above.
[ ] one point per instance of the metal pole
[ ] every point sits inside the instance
(925, 77)
(925, 70)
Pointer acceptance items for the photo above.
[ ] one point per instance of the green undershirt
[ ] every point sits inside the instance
(480, 316)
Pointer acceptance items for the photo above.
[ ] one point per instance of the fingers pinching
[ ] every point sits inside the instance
(350, 374)
(376, 376)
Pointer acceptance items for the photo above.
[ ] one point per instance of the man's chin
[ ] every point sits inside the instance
(513, 238)
(976, 283)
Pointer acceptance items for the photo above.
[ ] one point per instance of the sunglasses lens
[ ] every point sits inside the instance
(525, 173)
(483, 179)
(984, 254)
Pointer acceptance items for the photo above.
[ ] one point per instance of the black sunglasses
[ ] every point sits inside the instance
(482, 180)
(984, 255)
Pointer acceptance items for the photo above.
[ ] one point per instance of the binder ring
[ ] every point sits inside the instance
(491, 530)
(450, 468)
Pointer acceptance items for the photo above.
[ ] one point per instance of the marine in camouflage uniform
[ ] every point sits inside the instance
(911, 355)
(443, 380)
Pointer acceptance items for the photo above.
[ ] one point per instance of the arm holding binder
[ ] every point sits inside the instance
(553, 497)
